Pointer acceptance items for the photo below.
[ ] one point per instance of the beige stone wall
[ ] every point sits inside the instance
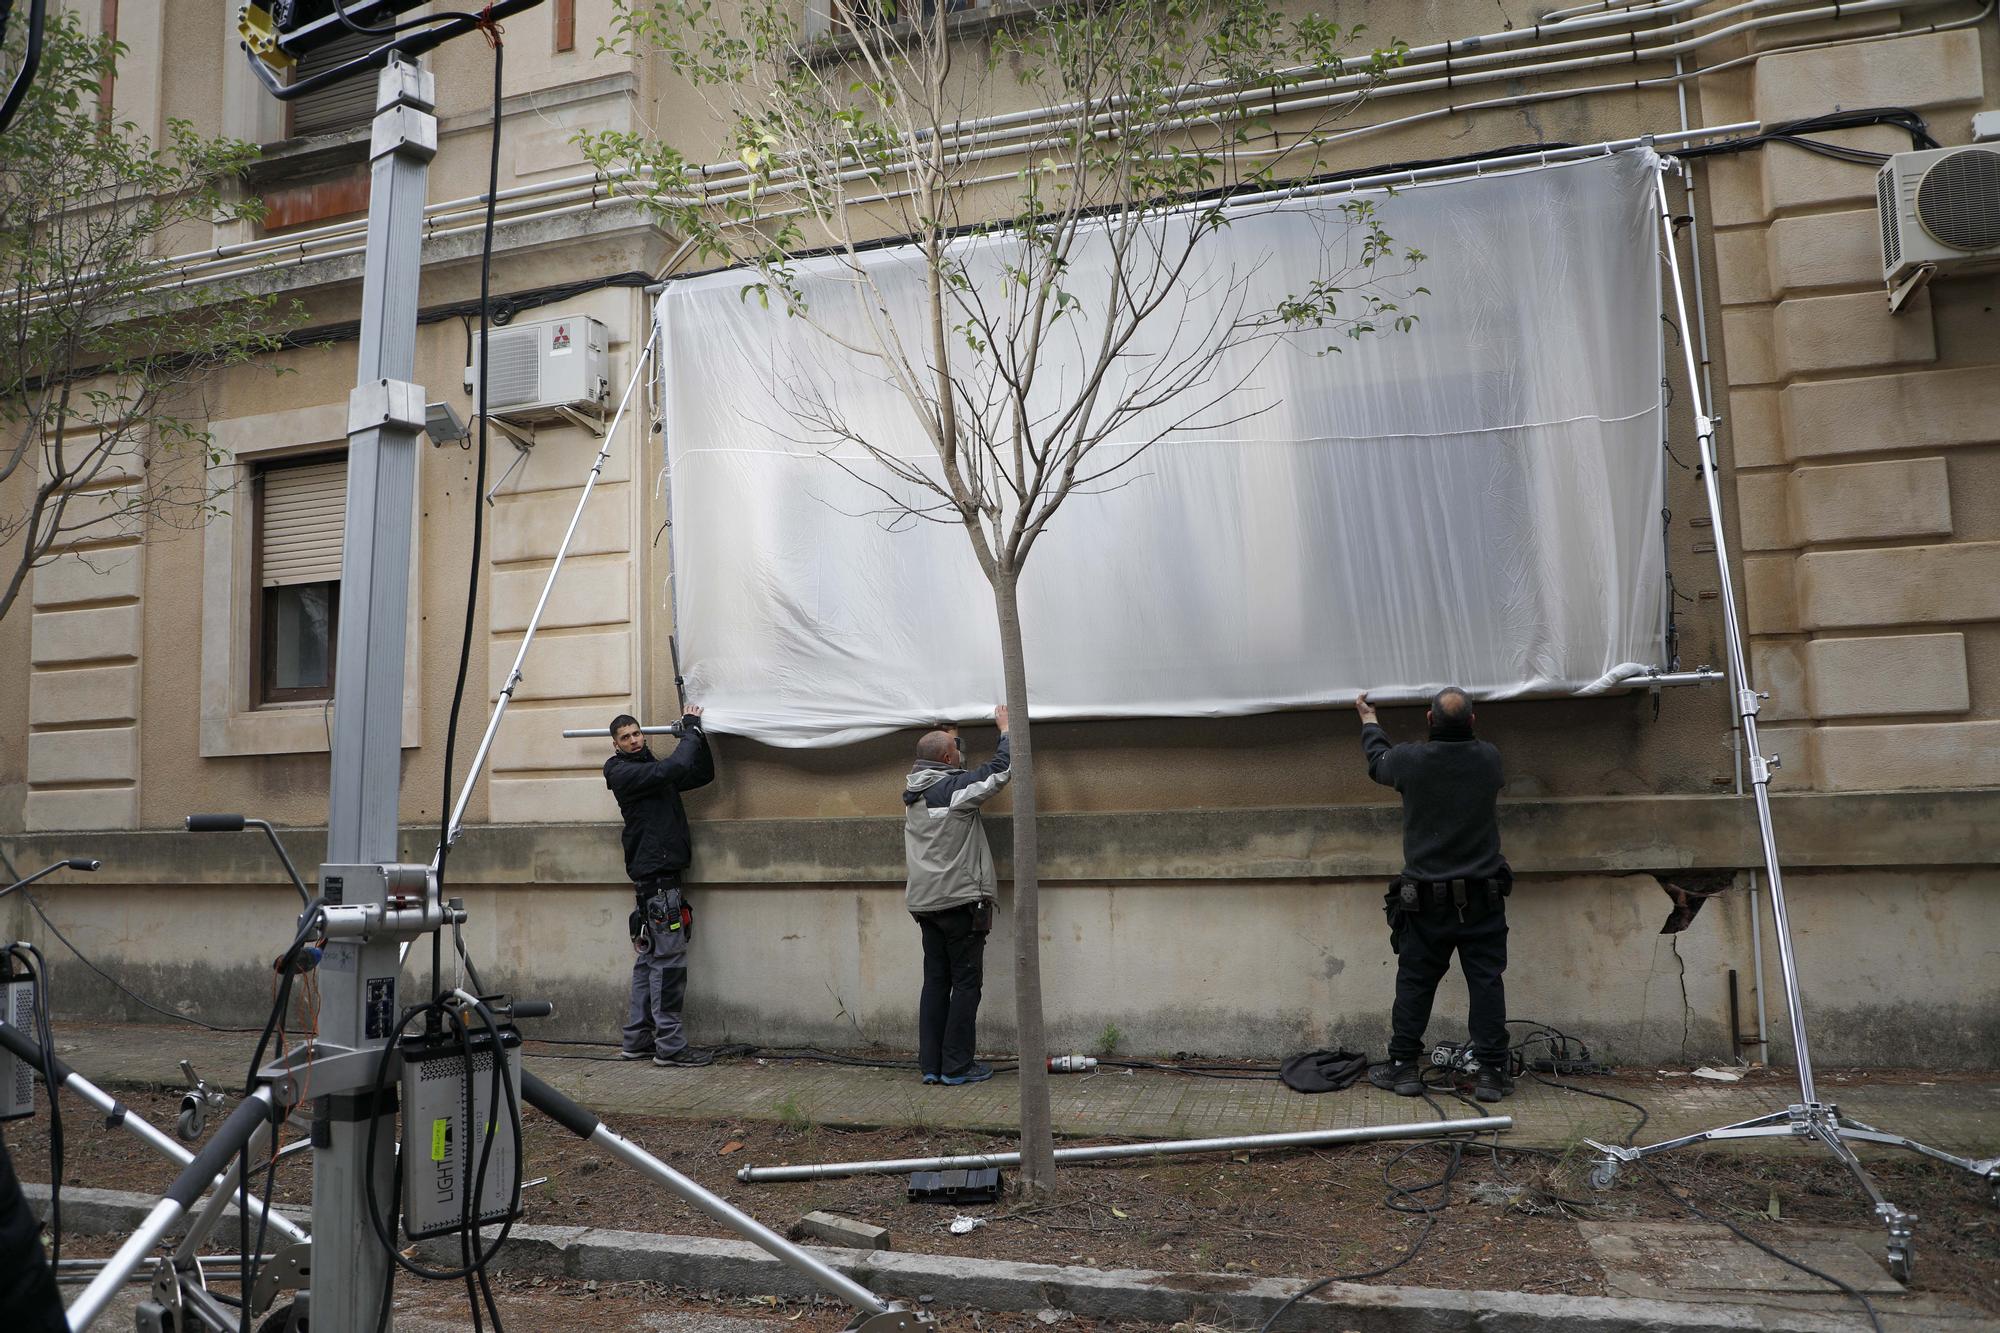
(1866, 445)
(1863, 461)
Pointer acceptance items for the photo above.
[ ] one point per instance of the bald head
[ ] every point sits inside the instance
(1450, 704)
(940, 747)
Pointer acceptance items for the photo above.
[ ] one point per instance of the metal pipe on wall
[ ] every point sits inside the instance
(601, 186)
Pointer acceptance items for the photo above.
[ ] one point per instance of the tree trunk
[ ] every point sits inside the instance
(1038, 1165)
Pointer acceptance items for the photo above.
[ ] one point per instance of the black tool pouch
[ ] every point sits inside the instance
(666, 912)
(1392, 908)
(982, 917)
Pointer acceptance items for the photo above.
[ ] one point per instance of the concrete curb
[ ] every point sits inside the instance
(942, 1281)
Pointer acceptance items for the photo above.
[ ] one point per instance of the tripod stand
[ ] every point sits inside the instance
(1809, 1118)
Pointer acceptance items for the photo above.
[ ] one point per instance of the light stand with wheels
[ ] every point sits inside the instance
(1809, 1118)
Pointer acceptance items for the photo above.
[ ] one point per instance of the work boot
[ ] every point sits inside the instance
(973, 1073)
(687, 1057)
(1492, 1084)
(1397, 1076)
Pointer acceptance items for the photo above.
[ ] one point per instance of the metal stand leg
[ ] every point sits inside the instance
(1809, 1118)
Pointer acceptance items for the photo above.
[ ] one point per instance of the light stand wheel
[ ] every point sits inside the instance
(1902, 1260)
(1603, 1174)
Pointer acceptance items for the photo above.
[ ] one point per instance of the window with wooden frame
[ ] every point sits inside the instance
(301, 505)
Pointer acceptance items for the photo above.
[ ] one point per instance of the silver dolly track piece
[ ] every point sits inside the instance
(1304, 1138)
(876, 1315)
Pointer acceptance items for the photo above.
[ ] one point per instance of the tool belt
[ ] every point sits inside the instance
(1467, 899)
(662, 909)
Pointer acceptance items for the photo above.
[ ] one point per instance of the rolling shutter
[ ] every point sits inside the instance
(303, 509)
(347, 104)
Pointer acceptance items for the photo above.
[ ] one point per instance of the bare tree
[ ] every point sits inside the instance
(1142, 121)
(101, 406)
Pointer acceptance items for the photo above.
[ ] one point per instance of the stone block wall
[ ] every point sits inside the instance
(584, 665)
(84, 652)
(1864, 443)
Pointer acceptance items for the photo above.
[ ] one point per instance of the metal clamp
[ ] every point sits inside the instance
(364, 901)
(396, 403)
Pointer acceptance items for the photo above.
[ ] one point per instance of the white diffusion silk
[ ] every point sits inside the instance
(1475, 502)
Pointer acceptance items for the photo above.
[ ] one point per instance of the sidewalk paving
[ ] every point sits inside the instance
(1957, 1113)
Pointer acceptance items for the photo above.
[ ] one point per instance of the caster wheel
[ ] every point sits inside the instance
(286, 1319)
(1900, 1263)
(189, 1126)
(1602, 1175)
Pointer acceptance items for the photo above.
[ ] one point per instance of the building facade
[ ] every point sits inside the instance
(1210, 885)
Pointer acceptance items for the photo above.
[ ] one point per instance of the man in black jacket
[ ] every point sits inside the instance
(1452, 892)
(657, 851)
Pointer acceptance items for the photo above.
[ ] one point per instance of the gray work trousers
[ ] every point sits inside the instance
(659, 978)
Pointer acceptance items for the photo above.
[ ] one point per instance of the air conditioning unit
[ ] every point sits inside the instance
(550, 370)
(1940, 213)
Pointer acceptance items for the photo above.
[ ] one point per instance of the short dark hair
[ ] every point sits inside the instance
(622, 721)
(1452, 703)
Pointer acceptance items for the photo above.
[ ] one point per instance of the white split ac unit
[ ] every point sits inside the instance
(1940, 213)
(550, 370)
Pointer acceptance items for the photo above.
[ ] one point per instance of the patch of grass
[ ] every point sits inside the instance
(789, 1113)
(1107, 1041)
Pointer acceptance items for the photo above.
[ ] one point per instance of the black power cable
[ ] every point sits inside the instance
(1793, 132)
(120, 986)
(478, 509)
(40, 1006)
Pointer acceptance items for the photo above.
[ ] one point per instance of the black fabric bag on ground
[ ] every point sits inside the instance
(1323, 1071)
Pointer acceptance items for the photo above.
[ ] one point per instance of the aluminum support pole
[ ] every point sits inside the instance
(250, 1115)
(1306, 1138)
(117, 1113)
(385, 415)
(588, 1127)
(472, 771)
(1748, 701)
(1809, 1119)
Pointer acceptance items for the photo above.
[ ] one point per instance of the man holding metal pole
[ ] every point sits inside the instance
(658, 848)
(1452, 894)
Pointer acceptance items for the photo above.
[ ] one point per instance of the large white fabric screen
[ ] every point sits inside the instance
(1474, 502)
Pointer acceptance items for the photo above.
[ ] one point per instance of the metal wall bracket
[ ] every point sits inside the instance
(395, 403)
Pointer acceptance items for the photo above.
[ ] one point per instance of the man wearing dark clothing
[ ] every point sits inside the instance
(658, 848)
(950, 892)
(28, 1299)
(1452, 893)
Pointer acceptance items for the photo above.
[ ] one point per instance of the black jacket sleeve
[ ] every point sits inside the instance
(701, 769)
(1375, 744)
(688, 767)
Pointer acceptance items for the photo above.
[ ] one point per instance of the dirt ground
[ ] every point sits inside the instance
(1506, 1220)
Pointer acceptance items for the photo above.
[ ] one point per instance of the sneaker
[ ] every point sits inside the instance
(1492, 1083)
(930, 1078)
(974, 1073)
(624, 1054)
(687, 1057)
(1397, 1076)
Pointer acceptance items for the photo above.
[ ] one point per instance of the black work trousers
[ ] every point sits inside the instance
(1429, 937)
(954, 968)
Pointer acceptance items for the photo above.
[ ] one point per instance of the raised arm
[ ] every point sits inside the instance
(1375, 744)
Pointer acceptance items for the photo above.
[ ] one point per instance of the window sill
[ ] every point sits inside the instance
(287, 160)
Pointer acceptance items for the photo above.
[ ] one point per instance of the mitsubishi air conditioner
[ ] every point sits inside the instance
(1940, 213)
(550, 370)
